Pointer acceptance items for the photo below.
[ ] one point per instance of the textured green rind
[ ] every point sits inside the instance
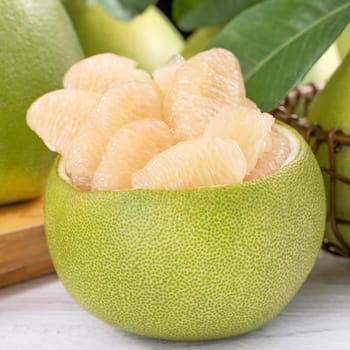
(37, 45)
(189, 264)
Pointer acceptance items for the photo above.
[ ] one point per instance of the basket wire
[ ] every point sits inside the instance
(298, 101)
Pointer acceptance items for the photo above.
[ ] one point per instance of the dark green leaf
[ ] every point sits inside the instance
(124, 10)
(191, 14)
(278, 41)
(181, 7)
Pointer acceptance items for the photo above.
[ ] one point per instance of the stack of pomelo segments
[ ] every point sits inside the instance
(23, 248)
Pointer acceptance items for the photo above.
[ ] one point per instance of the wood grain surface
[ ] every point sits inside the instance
(23, 249)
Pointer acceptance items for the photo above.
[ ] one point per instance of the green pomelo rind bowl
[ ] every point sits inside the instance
(193, 264)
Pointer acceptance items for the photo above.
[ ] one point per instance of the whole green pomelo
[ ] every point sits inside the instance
(331, 109)
(189, 264)
(37, 45)
(149, 38)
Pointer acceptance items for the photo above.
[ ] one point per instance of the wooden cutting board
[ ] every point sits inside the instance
(23, 249)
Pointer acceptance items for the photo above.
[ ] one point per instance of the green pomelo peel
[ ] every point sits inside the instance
(37, 45)
(194, 264)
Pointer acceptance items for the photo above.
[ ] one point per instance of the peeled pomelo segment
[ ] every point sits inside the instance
(250, 128)
(165, 74)
(273, 159)
(121, 104)
(98, 73)
(58, 115)
(201, 87)
(250, 104)
(129, 150)
(195, 163)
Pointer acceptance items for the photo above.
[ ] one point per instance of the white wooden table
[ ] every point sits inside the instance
(40, 314)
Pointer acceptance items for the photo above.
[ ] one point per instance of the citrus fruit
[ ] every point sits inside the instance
(212, 79)
(202, 162)
(190, 264)
(272, 158)
(165, 74)
(32, 63)
(248, 126)
(197, 239)
(130, 148)
(68, 109)
(98, 73)
(331, 110)
(149, 38)
(121, 104)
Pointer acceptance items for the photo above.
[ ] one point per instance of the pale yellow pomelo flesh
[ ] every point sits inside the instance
(195, 264)
(57, 116)
(121, 104)
(272, 159)
(248, 126)
(203, 162)
(128, 151)
(165, 74)
(201, 87)
(98, 73)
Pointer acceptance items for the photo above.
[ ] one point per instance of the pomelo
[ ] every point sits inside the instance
(189, 264)
(37, 45)
(201, 238)
(149, 38)
(331, 109)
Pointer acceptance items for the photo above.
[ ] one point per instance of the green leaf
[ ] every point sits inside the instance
(192, 14)
(278, 41)
(124, 10)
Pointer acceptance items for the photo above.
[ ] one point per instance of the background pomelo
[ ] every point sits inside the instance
(331, 109)
(190, 264)
(149, 38)
(37, 45)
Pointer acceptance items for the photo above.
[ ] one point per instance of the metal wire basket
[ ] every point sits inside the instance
(294, 111)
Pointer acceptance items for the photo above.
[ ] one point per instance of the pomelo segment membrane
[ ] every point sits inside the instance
(202, 86)
(190, 125)
(58, 115)
(128, 151)
(273, 158)
(248, 126)
(98, 73)
(122, 103)
(208, 161)
(165, 74)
